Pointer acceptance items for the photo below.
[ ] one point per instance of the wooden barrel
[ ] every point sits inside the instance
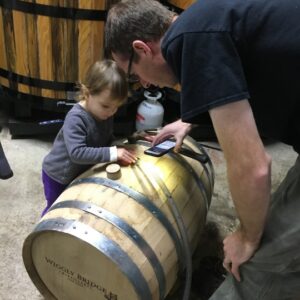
(179, 4)
(120, 239)
(46, 46)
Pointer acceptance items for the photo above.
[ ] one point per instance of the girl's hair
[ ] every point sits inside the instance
(103, 75)
(130, 20)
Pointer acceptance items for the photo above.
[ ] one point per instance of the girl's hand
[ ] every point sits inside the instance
(126, 157)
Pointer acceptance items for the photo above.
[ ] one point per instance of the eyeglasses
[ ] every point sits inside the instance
(132, 78)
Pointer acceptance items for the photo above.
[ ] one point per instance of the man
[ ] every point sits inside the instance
(240, 61)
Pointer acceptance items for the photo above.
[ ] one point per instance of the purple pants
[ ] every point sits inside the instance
(52, 190)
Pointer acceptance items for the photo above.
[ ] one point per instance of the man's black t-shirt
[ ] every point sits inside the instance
(228, 50)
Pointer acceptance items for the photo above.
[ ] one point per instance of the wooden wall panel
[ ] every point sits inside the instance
(56, 49)
(3, 58)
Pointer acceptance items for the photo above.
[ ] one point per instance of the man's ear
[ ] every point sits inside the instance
(141, 48)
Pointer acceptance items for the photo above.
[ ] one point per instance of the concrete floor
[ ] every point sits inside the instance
(22, 201)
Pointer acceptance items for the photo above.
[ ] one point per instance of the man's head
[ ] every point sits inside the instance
(131, 20)
(134, 29)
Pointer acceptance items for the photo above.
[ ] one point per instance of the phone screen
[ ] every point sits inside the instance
(161, 148)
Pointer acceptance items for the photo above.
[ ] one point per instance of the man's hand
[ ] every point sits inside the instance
(237, 250)
(177, 129)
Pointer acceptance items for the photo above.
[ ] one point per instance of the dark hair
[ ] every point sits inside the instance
(103, 75)
(130, 20)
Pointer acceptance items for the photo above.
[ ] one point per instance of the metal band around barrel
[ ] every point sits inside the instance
(210, 173)
(108, 247)
(200, 184)
(36, 82)
(182, 230)
(203, 190)
(55, 11)
(39, 102)
(142, 200)
(125, 228)
(172, 7)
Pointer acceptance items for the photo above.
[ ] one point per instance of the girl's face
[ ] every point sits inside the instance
(101, 106)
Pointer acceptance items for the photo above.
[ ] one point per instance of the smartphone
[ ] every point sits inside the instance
(161, 148)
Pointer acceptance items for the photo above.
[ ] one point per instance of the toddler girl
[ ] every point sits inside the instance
(87, 133)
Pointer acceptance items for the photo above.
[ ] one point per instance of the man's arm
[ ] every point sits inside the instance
(249, 177)
(178, 129)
